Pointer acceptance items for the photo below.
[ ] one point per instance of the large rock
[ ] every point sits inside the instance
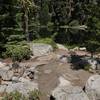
(23, 88)
(69, 93)
(6, 74)
(65, 91)
(92, 87)
(2, 64)
(40, 49)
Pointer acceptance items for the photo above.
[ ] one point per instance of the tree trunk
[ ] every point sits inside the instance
(92, 56)
(25, 25)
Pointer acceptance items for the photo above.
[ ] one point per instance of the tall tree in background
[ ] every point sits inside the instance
(44, 18)
(7, 21)
(25, 5)
(93, 23)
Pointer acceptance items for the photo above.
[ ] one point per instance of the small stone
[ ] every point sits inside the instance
(2, 64)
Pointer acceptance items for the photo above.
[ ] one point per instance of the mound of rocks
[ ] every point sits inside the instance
(17, 78)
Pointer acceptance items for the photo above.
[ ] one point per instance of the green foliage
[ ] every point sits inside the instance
(33, 95)
(70, 46)
(44, 13)
(46, 41)
(87, 67)
(93, 46)
(63, 20)
(17, 52)
(16, 37)
(14, 96)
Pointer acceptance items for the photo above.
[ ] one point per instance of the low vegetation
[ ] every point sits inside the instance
(33, 95)
(17, 52)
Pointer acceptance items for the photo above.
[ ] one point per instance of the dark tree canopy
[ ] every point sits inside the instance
(60, 19)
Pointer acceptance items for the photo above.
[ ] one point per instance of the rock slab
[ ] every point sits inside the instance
(65, 91)
(92, 87)
(39, 49)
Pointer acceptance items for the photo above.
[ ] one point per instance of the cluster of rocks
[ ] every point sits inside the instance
(93, 63)
(66, 91)
(17, 78)
(40, 49)
(22, 77)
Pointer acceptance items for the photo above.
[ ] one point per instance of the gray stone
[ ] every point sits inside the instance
(2, 88)
(15, 79)
(65, 91)
(98, 66)
(92, 87)
(30, 72)
(23, 88)
(69, 93)
(40, 49)
(23, 80)
(62, 58)
(6, 74)
(93, 63)
(2, 64)
(32, 69)
(82, 49)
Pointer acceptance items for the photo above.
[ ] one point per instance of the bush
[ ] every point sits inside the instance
(17, 52)
(46, 41)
